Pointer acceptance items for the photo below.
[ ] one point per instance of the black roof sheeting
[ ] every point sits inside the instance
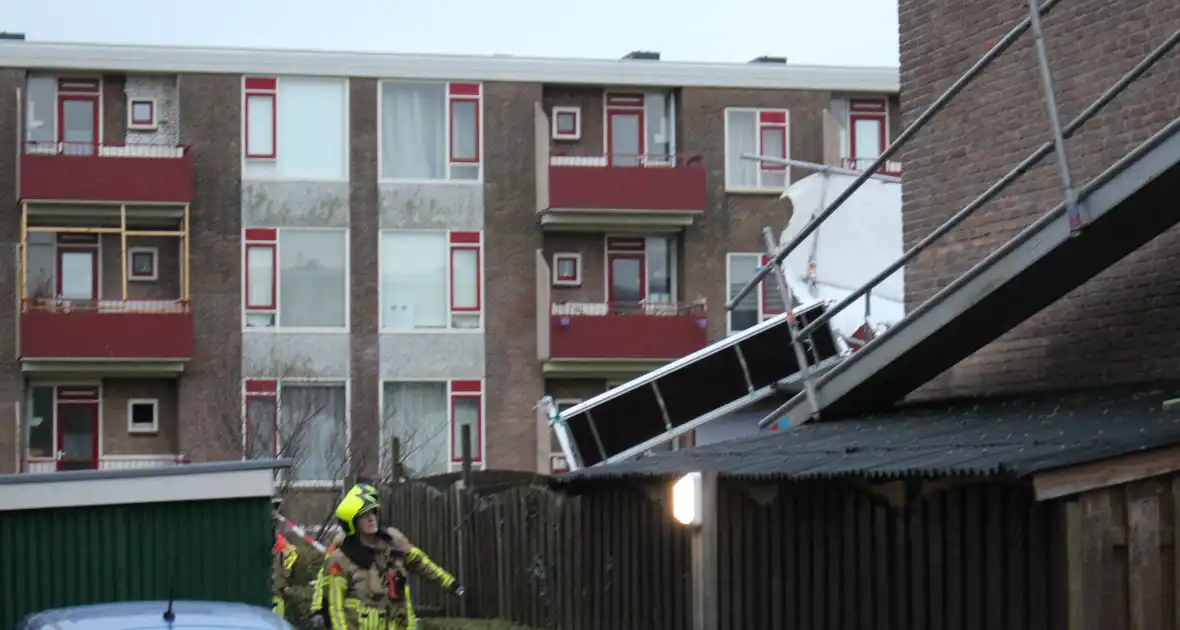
(1013, 437)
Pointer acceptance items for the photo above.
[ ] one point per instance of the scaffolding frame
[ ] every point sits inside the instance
(1076, 212)
(123, 231)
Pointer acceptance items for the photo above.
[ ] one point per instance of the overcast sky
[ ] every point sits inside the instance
(841, 32)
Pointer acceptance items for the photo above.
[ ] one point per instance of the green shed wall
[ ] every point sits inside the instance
(212, 550)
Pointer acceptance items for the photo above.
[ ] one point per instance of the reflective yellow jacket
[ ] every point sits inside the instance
(366, 583)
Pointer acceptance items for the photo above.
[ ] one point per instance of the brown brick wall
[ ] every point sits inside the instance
(733, 223)
(116, 440)
(209, 391)
(590, 99)
(363, 218)
(592, 247)
(114, 109)
(514, 383)
(167, 282)
(11, 382)
(1119, 327)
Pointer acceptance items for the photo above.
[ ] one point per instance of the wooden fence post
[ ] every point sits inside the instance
(462, 499)
(395, 456)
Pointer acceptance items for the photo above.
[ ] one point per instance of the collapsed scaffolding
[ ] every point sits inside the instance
(809, 332)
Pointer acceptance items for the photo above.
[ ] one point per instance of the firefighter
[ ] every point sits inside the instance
(319, 613)
(367, 573)
(284, 557)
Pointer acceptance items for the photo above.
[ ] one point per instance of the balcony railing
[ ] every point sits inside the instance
(859, 164)
(110, 462)
(85, 171)
(626, 330)
(651, 182)
(105, 329)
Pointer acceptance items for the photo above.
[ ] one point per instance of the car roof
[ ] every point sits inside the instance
(150, 615)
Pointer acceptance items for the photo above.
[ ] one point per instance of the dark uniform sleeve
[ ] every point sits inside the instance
(419, 562)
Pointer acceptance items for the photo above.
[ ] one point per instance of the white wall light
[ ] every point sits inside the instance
(686, 499)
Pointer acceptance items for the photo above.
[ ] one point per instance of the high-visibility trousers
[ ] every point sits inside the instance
(280, 607)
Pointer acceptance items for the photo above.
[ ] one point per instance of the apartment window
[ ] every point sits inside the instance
(143, 415)
(430, 131)
(567, 270)
(304, 421)
(431, 280)
(142, 114)
(758, 132)
(640, 270)
(763, 302)
(295, 128)
(295, 278)
(567, 123)
(427, 417)
(867, 137)
(63, 115)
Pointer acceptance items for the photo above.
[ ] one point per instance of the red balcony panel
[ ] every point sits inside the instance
(626, 336)
(106, 173)
(96, 335)
(679, 186)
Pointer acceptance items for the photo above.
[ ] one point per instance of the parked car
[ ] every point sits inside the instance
(161, 615)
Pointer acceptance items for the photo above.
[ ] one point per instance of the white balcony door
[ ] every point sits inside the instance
(77, 273)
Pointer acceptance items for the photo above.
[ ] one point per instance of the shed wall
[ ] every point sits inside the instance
(213, 550)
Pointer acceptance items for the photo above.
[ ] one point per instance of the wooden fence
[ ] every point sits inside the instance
(811, 555)
(610, 559)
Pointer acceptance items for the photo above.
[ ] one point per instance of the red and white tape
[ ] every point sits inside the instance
(302, 533)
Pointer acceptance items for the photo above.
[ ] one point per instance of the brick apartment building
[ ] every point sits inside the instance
(224, 253)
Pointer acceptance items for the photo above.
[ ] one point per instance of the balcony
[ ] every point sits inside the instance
(605, 340)
(598, 192)
(109, 462)
(84, 172)
(891, 168)
(114, 337)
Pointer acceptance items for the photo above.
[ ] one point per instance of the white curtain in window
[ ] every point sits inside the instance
(741, 137)
(416, 413)
(414, 280)
(261, 269)
(313, 431)
(260, 427)
(742, 267)
(313, 285)
(465, 274)
(313, 127)
(413, 130)
(260, 130)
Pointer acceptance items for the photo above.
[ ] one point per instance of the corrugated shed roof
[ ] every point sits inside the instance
(1010, 436)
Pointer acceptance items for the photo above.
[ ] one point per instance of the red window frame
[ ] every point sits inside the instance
(462, 93)
(874, 110)
(261, 88)
(466, 390)
(263, 239)
(465, 241)
(762, 292)
(773, 121)
(151, 119)
(259, 388)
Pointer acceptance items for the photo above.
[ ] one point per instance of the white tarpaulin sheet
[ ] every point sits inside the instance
(860, 239)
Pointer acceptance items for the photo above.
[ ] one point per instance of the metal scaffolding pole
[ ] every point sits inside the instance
(1077, 216)
(909, 132)
(792, 324)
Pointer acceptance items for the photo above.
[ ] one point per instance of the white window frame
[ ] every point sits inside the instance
(152, 123)
(273, 95)
(576, 281)
(276, 249)
(277, 397)
(56, 386)
(759, 292)
(450, 98)
(154, 253)
(762, 167)
(451, 311)
(576, 112)
(139, 429)
(479, 460)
